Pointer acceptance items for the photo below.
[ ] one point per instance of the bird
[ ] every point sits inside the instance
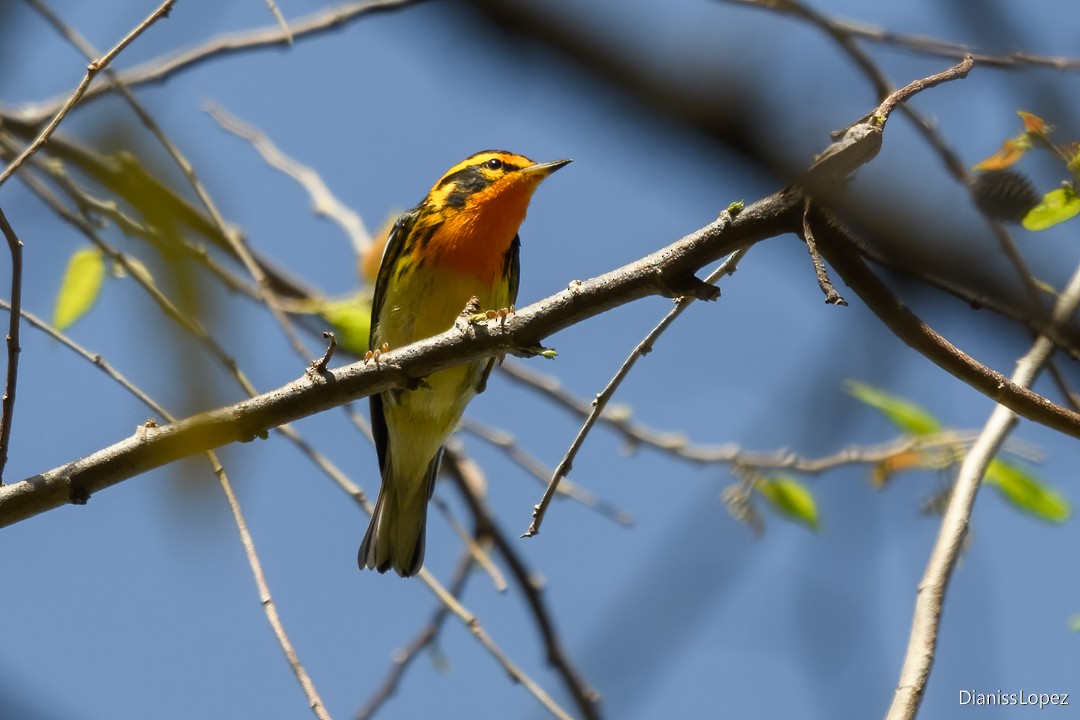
(461, 242)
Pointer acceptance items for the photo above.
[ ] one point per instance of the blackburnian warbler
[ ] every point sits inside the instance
(460, 242)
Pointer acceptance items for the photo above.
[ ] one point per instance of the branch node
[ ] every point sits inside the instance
(318, 366)
(689, 285)
(78, 496)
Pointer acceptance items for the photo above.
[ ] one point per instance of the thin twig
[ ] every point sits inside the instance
(453, 605)
(448, 599)
(679, 447)
(923, 44)
(844, 35)
(450, 602)
(472, 545)
(137, 272)
(318, 365)
(530, 464)
(248, 543)
(324, 202)
(125, 175)
(265, 598)
(93, 358)
(233, 238)
(403, 658)
(1037, 323)
(473, 624)
(95, 67)
(845, 40)
(643, 348)
(91, 205)
(842, 254)
(929, 602)
(831, 296)
(161, 68)
(585, 696)
(281, 21)
(193, 327)
(957, 72)
(7, 412)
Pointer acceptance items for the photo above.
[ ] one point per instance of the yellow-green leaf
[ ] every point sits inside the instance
(1027, 492)
(791, 498)
(1056, 207)
(80, 287)
(902, 413)
(351, 321)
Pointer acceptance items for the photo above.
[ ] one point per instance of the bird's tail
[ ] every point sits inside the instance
(395, 537)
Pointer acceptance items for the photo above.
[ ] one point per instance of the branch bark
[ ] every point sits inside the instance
(669, 272)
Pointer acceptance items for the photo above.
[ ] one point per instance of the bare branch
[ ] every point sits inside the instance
(661, 273)
(473, 624)
(930, 600)
(586, 697)
(95, 67)
(921, 43)
(265, 598)
(831, 296)
(7, 412)
(403, 366)
(160, 69)
(248, 543)
(604, 396)
(281, 21)
(530, 464)
(323, 200)
(403, 658)
(252, 418)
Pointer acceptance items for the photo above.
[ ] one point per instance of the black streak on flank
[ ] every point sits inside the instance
(424, 236)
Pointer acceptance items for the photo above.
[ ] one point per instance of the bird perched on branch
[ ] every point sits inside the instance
(460, 242)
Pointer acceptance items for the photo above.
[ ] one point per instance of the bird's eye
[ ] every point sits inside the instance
(494, 164)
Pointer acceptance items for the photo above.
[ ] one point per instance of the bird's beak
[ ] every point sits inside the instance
(542, 170)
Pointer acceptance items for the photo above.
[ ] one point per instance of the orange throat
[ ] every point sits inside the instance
(474, 239)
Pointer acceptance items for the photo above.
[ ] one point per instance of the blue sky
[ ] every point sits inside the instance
(141, 604)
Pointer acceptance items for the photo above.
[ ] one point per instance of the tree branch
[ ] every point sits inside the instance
(153, 447)
(668, 272)
(922, 645)
(92, 70)
(162, 68)
(841, 252)
(7, 411)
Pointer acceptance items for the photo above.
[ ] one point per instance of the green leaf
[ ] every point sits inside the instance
(790, 498)
(1074, 623)
(80, 287)
(902, 413)
(351, 321)
(1027, 492)
(1056, 207)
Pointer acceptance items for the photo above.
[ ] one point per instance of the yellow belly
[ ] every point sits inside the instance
(423, 303)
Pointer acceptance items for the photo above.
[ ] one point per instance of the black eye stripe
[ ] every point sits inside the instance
(474, 178)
